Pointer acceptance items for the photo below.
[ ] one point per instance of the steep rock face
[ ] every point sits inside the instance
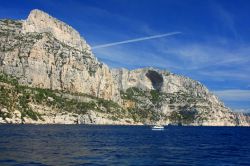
(136, 78)
(179, 100)
(45, 52)
(41, 22)
(163, 81)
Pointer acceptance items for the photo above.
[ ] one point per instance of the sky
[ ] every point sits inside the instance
(212, 44)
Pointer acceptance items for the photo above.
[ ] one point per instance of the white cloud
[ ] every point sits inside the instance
(233, 95)
(247, 110)
(225, 74)
(202, 55)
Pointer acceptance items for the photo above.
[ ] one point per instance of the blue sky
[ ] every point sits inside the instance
(213, 46)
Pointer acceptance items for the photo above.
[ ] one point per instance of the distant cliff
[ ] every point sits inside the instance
(59, 80)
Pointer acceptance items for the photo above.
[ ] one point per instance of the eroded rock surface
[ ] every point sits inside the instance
(45, 52)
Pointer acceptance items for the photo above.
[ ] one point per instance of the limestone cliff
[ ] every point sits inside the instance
(45, 53)
(40, 22)
(178, 99)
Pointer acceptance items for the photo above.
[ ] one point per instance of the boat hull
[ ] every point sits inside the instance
(157, 128)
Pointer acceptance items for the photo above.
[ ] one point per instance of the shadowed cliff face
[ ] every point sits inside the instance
(156, 79)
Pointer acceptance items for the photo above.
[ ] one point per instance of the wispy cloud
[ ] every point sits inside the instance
(135, 40)
(243, 110)
(225, 74)
(226, 17)
(202, 55)
(237, 99)
(133, 58)
(234, 95)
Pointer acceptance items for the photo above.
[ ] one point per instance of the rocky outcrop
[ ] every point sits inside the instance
(40, 22)
(178, 99)
(45, 53)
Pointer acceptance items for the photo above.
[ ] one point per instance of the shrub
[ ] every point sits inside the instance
(155, 96)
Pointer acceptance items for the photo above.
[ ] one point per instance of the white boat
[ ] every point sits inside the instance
(158, 127)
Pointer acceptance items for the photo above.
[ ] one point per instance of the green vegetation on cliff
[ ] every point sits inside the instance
(17, 97)
(148, 104)
(144, 105)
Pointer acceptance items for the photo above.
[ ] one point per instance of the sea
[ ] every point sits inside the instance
(41, 145)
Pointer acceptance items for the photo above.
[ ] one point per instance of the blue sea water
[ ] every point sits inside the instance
(123, 145)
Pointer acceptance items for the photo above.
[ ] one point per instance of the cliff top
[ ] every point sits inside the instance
(39, 21)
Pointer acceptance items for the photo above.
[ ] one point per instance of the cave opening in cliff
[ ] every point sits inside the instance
(156, 79)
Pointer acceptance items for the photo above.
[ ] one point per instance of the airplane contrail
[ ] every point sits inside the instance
(135, 40)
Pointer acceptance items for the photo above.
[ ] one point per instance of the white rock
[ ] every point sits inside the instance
(8, 120)
(4, 110)
(50, 99)
(17, 114)
(1, 120)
